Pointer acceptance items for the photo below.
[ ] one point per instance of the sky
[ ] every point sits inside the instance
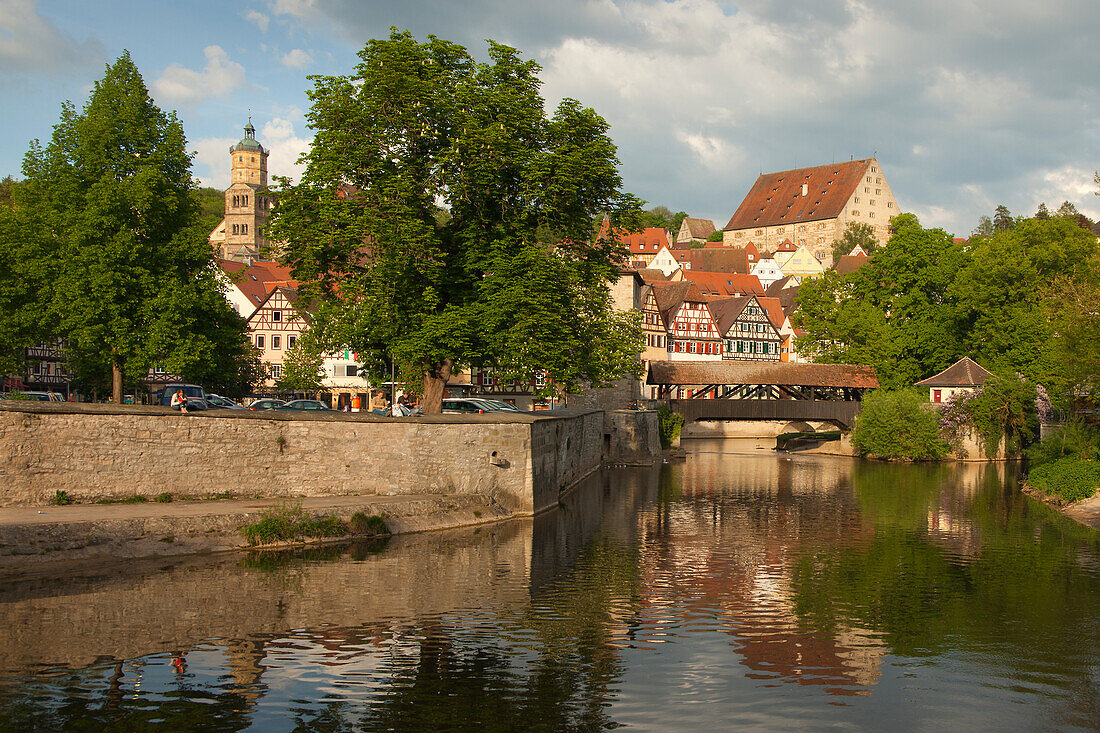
(967, 104)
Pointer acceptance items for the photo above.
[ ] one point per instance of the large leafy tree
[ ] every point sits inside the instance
(109, 206)
(510, 276)
(855, 234)
(892, 313)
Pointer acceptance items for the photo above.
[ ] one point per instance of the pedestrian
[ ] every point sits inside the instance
(378, 404)
(179, 401)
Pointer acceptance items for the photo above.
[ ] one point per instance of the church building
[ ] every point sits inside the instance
(240, 234)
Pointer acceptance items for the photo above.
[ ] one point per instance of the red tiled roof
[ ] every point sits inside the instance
(648, 241)
(848, 264)
(724, 284)
(651, 275)
(726, 311)
(776, 198)
(257, 280)
(720, 259)
(964, 373)
(774, 308)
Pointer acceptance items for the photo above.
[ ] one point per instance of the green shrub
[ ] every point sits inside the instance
(1071, 479)
(163, 498)
(361, 524)
(898, 425)
(290, 522)
(61, 498)
(669, 425)
(1074, 439)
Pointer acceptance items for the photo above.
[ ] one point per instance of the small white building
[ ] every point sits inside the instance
(965, 375)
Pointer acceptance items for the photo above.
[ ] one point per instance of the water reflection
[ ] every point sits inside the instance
(739, 586)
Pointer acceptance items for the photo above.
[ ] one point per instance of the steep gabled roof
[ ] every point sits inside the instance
(964, 373)
(648, 241)
(776, 198)
(256, 281)
(669, 296)
(650, 275)
(726, 311)
(699, 228)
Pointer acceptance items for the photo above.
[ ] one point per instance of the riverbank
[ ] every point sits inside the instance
(1087, 511)
(44, 536)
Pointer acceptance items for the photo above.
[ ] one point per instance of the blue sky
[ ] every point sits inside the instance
(966, 103)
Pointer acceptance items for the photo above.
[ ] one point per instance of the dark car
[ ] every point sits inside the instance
(267, 403)
(190, 391)
(463, 406)
(311, 405)
(217, 401)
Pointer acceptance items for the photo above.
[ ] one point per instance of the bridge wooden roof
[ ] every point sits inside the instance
(854, 376)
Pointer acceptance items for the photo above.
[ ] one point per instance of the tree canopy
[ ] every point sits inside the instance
(106, 214)
(855, 234)
(922, 301)
(422, 125)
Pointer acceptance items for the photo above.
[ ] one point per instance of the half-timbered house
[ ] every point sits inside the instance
(275, 326)
(692, 333)
(747, 329)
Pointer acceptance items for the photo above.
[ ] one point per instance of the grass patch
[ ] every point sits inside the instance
(374, 525)
(136, 499)
(290, 522)
(164, 498)
(222, 495)
(61, 498)
(1071, 479)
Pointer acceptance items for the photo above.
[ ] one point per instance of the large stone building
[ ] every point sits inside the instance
(240, 235)
(812, 207)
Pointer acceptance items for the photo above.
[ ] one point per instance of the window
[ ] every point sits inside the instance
(878, 191)
(873, 169)
(276, 370)
(277, 316)
(260, 341)
(487, 379)
(740, 347)
(759, 232)
(290, 341)
(244, 201)
(540, 379)
(691, 347)
(868, 179)
(236, 229)
(855, 199)
(889, 204)
(878, 180)
(351, 370)
(244, 229)
(871, 202)
(821, 240)
(866, 189)
(276, 342)
(871, 215)
(737, 236)
(779, 230)
(236, 200)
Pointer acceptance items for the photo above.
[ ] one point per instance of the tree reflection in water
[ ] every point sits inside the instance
(801, 581)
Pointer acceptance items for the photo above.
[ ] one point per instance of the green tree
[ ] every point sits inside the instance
(1042, 212)
(984, 228)
(421, 123)
(716, 236)
(1001, 292)
(898, 425)
(891, 313)
(302, 367)
(134, 283)
(1002, 219)
(855, 234)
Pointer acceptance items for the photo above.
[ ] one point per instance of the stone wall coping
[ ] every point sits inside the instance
(90, 408)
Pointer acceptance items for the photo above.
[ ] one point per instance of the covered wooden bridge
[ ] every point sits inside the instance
(732, 390)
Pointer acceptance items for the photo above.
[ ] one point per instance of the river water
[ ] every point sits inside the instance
(738, 589)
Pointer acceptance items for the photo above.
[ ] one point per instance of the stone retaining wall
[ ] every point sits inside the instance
(95, 452)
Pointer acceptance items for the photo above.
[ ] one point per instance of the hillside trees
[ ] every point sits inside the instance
(108, 207)
(420, 124)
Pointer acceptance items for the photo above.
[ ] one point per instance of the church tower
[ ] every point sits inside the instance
(240, 235)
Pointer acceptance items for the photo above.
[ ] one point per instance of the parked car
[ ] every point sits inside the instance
(36, 396)
(312, 405)
(217, 401)
(466, 406)
(267, 403)
(500, 405)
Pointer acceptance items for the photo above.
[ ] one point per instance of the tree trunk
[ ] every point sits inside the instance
(435, 380)
(116, 382)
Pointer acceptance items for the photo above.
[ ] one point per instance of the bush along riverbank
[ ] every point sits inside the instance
(997, 422)
(1064, 468)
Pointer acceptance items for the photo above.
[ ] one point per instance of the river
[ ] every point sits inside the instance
(737, 589)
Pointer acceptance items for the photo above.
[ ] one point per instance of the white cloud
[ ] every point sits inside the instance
(301, 9)
(211, 163)
(261, 20)
(220, 76)
(297, 59)
(286, 146)
(30, 43)
(1071, 183)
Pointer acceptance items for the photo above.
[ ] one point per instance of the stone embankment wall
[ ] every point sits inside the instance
(93, 452)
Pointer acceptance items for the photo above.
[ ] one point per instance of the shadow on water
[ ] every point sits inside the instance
(738, 586)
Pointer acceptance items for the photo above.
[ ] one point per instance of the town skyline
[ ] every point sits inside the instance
(702, 97)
